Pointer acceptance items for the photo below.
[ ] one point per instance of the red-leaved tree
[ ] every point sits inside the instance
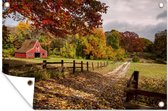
(59, 17)
(131, 42)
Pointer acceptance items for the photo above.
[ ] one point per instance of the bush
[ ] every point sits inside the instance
(44, 74)
(54, 56)
(8, 52)
(161, 61)
(41, 74)
(135, 59)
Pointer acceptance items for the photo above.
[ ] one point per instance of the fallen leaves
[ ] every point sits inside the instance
(84, 91)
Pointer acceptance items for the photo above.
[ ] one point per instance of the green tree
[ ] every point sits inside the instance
(113, 39)
(160, 44)
(69, 50)
(147, 45)
(5, 36)
(8, 39)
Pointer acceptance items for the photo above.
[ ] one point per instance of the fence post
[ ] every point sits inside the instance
(5, 68)
(100, 64)
(44, 64)
(136, 76)
(92, 66)
(128, 97)
(97, 64)
(81, 66)
(73, 66)
(104, 64)
(62, 65)
(87, 66)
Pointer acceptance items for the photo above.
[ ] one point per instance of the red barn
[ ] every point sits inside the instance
(31, 49)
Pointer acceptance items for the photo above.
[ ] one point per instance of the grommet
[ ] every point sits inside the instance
(161, 104)
(6, 4)
(30, 82)
(161, 5)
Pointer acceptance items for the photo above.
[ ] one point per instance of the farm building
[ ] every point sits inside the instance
(31, 49)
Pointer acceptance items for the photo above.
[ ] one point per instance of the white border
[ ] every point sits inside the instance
(10, 99)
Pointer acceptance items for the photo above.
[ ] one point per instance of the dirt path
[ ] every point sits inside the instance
(89, 90)
(120, 71)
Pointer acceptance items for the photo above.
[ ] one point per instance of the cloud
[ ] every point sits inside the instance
(147, 31)
(143, 17)
(162, 15)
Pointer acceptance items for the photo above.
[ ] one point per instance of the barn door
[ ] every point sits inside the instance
(36, 55)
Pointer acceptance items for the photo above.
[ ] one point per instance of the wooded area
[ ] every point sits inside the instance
(78, 37)
(112, 45)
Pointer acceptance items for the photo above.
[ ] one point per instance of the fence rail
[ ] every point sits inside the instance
(61, 64)
(75, 65)
(132, 92)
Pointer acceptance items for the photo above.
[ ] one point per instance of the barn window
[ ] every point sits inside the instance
(43, 54)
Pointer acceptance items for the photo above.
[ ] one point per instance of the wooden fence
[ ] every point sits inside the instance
(73, 65)
(132, 92)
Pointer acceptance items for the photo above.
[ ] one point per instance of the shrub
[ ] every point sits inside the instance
(8, 52)
(135, 59)
(161, 61)
(44, 74)
(41, 74)
(92, 57)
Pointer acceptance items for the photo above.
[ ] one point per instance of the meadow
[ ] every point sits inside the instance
(152, 76)
(150, 70)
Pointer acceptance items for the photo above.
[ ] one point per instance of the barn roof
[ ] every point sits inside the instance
(27, 45)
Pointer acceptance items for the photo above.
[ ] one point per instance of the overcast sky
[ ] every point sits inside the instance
(143, 17)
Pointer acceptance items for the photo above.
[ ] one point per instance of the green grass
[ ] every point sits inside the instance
(54, 59)
(110, 67)
(152, 76)
(150, 70)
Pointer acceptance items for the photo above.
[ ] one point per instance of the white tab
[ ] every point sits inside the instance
(21, 84)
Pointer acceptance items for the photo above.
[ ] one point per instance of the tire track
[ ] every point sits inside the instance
(120, 71)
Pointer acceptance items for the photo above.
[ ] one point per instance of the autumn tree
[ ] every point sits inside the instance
(131, 42)
(148, 45)
(22, 32)
(59, 17)
(113, 39)
(8, 39)
(160, 44)
(94, 45)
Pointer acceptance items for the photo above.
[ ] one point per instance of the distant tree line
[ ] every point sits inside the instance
(132, 43)
(98, 44)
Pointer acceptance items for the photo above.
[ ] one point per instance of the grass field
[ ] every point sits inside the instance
(22, 61)
(151, 70)
(19, 61)
(54, 59)
(109, 68)
(152, 76)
